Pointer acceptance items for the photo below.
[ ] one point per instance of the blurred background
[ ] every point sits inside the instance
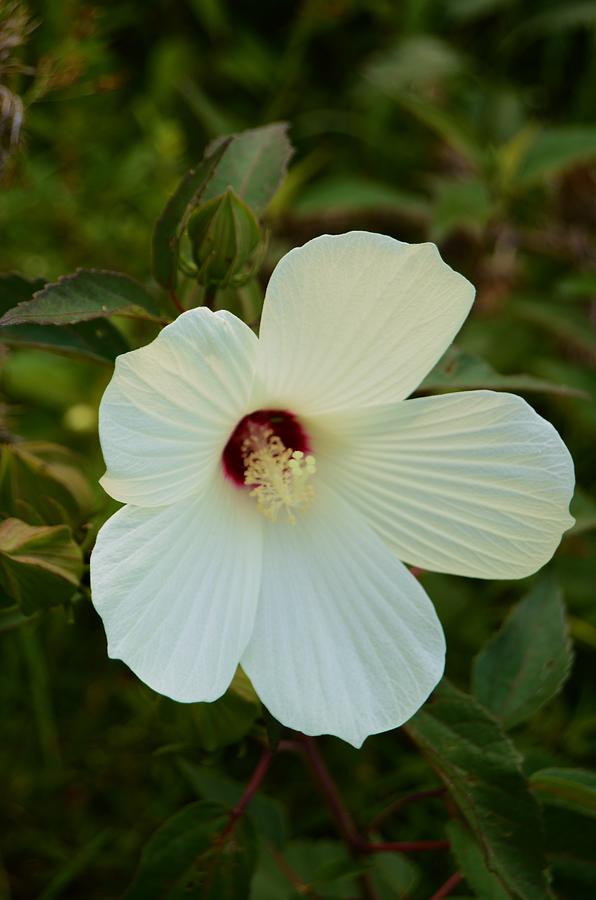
(466, 122)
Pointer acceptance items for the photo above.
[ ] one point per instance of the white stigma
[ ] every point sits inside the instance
(280, 475)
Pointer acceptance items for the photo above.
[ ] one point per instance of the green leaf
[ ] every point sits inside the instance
(481, 770)
(99, 341)
(525, 664)
(174, 218)
(556, 20)
(266, 813)
(15, 288)
(187, 858)
(470, 861)
(563, 323)
(228, 719)
(393, 875)
(12, 618)
(468, 10)
(40, 566)
(323, 868)
(414, 64)
(42, 484)
(459, 370)
(460, 206)
(254, 164)
(87, 294)
(578, 286)
(554, 150)
(447, 126)
(570, 842)
(75, 866)
(269, 881)
(352, 194)
(574, 789)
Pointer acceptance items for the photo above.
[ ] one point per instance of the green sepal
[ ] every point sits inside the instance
(224, 234)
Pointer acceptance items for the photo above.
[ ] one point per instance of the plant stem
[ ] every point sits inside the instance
(343, 819)
(209, 296)
(176, 301)
(286, 870)
(41, 697)
(339, 811)
(251, 789)
(445, 889)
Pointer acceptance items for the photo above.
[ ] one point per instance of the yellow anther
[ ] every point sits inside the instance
(279, 474)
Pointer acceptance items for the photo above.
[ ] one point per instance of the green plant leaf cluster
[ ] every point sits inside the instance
(40, 566)
(482, 772)
(189, 857)
(468, 123)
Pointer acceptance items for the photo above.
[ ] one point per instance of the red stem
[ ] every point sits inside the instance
(343, 819)
(290, 874)
(251, 788)
(447, 888)
(209, 296)
(176, 301)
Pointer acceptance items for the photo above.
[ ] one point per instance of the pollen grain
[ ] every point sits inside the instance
(279, 475)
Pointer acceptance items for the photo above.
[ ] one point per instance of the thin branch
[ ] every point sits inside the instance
(210, 295)
(251, 789)
(289, 746)
(176, 301)
(290, 874)
(343, 819)
(448, 887)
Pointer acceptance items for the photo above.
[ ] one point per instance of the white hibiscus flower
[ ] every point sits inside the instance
(273, 485)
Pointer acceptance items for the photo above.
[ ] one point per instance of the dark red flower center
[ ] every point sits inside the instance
(279, 422)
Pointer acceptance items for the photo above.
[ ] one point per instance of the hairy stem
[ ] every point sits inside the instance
(445, 889)
(339, 811)
(251, 789)
(176, 301)
(210, 295)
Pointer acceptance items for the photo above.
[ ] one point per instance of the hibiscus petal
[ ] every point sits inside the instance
(474, 483)
(171, 406)
(357, 318)
(345, 641)
(177, 588)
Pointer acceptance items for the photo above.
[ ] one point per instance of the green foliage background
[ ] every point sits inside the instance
(467, 122)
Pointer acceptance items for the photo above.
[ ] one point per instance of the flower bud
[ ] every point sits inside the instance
(223, 234)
